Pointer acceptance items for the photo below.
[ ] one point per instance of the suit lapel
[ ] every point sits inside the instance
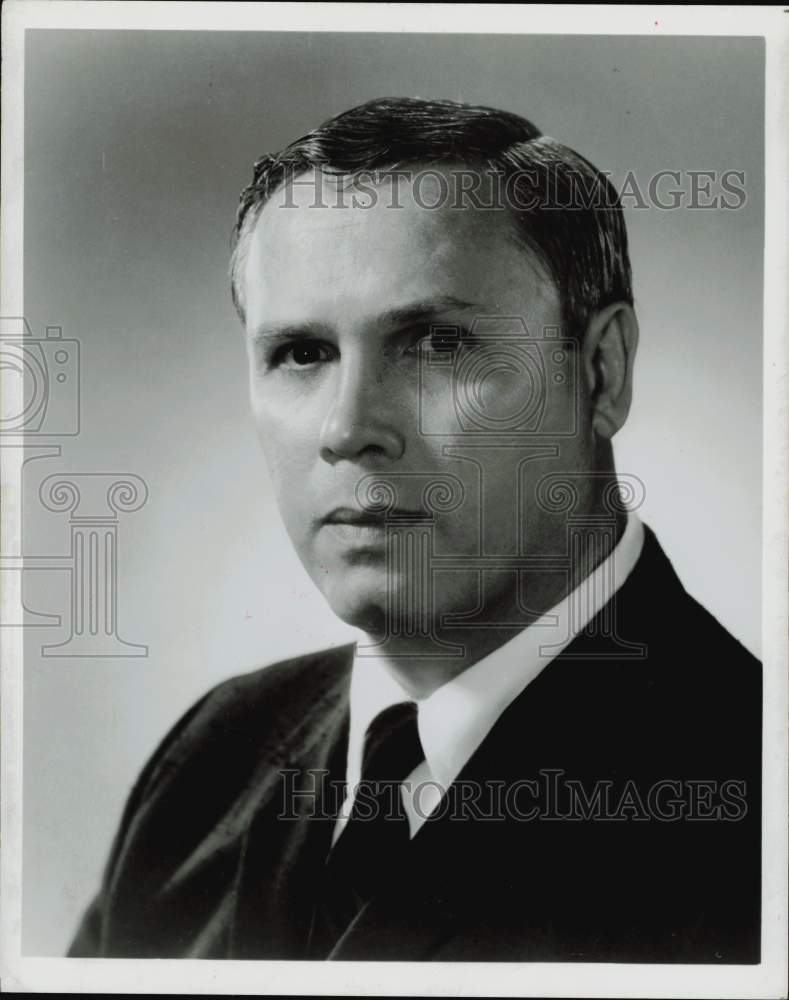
(287, 841)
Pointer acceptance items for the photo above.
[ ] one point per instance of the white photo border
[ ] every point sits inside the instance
(768, 979)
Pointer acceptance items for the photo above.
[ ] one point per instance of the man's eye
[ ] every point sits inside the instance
(303, 355)
(444, 339)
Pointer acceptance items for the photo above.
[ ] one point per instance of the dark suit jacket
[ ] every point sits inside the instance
(202, 866)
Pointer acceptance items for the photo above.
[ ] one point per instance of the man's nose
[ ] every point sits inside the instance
(360, 420)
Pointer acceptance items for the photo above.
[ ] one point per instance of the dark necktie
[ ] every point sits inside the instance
(371, 848)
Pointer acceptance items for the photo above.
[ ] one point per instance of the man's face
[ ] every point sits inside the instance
(351, 390)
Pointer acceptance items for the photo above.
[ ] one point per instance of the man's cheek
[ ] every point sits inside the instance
(285, 451)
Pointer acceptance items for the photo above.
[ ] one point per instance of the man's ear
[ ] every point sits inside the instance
(607, 355)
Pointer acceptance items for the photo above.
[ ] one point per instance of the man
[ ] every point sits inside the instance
(541, 748)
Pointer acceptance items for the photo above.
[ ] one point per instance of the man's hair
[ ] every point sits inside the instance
(564, 209)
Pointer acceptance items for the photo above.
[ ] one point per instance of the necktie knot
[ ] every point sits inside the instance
(392, 747)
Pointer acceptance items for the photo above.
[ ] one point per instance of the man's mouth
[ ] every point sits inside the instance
(353, 517)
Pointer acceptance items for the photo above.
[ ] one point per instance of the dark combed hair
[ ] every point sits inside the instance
(564, 209)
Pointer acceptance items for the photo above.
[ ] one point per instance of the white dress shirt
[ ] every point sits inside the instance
(457, 716)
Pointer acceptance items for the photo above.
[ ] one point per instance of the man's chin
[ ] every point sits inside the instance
(368, 598)
(358, 598)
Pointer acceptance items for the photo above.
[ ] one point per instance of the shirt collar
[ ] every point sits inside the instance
(457, 717)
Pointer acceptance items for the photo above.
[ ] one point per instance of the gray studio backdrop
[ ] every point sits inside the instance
(137, 145)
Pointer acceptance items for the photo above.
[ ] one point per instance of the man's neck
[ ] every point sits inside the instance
(414, 662)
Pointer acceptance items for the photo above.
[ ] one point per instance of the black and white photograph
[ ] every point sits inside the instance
(394, 544)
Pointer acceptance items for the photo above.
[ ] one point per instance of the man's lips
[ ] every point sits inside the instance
(361, 518)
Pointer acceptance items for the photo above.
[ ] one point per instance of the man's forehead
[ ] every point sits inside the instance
(427, 203)
(410, 243)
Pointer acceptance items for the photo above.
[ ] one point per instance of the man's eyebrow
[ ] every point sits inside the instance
(401, 316)
(291, 331)
(420, 312)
